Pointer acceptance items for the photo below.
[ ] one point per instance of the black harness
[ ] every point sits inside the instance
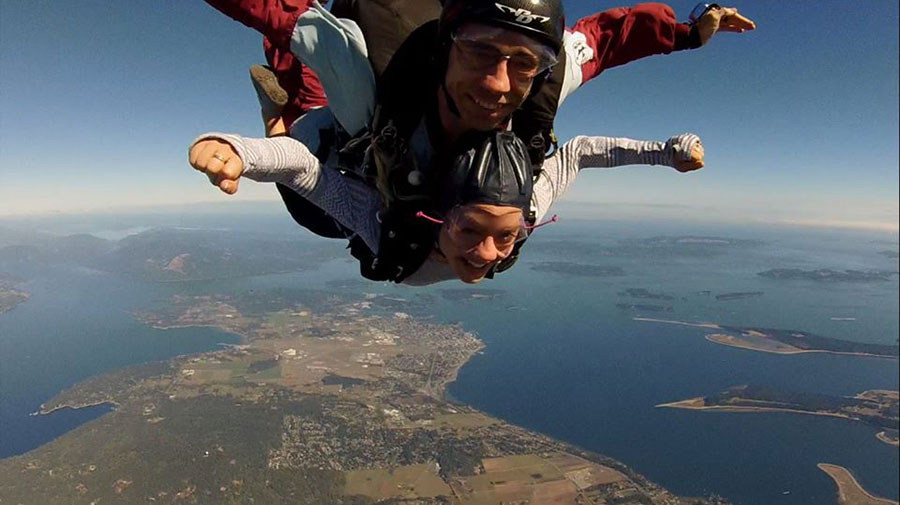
(407, 94)
(406, 242)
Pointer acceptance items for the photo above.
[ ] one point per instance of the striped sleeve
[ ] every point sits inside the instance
(561, 169)
(287, 161)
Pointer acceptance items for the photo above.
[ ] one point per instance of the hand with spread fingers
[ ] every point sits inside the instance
(696, 161)
(219, 161)
(722, 19)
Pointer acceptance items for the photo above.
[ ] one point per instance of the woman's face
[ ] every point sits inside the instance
(476, 237)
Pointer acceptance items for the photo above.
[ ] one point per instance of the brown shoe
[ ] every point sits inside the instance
(272, 97)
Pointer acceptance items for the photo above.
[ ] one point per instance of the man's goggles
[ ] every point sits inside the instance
(480, 50)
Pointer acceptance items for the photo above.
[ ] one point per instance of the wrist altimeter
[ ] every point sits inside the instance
(699, 10)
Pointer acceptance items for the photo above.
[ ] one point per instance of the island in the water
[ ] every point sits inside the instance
(334, 403)
(828, 275)
(579, 269)
(850, 492)
(693, 245)
(785, 341)
(9, 295)
(740, 295)
(875, 407)
(471, 294)
(644, 307)
(890, 437)
(645, 294)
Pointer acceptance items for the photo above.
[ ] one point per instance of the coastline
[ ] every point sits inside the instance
(17, 298)
(742, 344)
(738, 344)
(882, 435)
(163, 327)
(712, 326)
(850, 492)
(535, 447)
(46, 412)
(690, 404)
(445, 395)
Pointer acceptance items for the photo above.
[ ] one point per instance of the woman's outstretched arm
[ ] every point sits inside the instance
(225, 158)
(681, 152)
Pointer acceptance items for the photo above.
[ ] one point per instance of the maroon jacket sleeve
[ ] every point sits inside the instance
(618, 36)
(299, 81)
(275, 19)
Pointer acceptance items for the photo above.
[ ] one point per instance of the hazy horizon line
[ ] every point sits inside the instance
(269, 205)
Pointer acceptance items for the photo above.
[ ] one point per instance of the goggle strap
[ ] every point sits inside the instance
(553, 219)
(429, 218)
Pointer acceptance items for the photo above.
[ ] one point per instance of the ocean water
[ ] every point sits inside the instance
(561, 357)
(575, 366)
(77, 323)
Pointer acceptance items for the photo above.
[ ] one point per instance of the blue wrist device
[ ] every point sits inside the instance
(700, 9)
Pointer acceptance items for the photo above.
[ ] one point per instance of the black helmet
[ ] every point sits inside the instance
(494, 168)
(542, 20)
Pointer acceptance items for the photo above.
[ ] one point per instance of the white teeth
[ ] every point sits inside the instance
(476, 265)
(484, 105)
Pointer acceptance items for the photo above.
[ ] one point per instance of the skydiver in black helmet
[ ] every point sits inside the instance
(488, 62)
(336, 50)
(478, 218)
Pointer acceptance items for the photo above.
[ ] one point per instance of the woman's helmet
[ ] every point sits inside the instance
(493, 168)
(543, 20)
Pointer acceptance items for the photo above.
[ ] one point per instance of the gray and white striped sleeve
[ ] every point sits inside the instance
(560, 170)
(287, 161)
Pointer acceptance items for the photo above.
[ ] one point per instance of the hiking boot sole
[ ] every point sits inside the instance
(267, 86)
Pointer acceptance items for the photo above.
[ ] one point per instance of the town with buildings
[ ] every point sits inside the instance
(340, 404)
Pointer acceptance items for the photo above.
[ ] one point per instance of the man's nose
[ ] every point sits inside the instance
(497, 78)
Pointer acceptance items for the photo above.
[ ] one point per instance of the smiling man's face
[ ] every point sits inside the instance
(489, 74)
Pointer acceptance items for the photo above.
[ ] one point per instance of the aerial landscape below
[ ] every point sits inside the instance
(335, 390)
(877, 407)
(341, 404)
(849, 490)
(828, 275)
(785, 341)
(9, 295)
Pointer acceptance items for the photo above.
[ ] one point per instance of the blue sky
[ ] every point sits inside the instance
(99, 101)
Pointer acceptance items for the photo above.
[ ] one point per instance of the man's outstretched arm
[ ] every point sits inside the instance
(617, 36)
